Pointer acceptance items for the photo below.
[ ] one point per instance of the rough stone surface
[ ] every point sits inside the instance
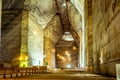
(13, 4)
(89, 35)
(74, 17)
(118, 71)
(79, 4)
(52, 33)
(0, 23)
(11, 36)
(42, 10)
(106, 36)
(35, 42)
(24, 38)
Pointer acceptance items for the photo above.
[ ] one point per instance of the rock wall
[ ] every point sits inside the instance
(35, 42)
(89, 44)
(11, 36)
(75, 17)
(52, 33)
(106, 36)
(89, 35)
(79, 4)
(24, 39)
(0, 23)
(42, 10)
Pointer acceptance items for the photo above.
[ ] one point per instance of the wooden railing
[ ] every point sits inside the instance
(4, 72)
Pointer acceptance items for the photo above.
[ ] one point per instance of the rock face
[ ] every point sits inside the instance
(0, 24)
(24, 39)
(42, 10)
(106, 36)
(35, 42)
(52, 33)
(11, 36)
(13, 4)
(79, 4)
(75, 18)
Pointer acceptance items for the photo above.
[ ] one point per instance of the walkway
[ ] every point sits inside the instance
(64, 75)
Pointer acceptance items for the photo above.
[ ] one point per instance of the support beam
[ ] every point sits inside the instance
(24, 40)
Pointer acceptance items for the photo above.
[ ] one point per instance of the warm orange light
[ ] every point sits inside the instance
(58, 55)
(69, 58)
(26, 58)
(53, 50)
(66, 52)
(74, 48)
(21, 58)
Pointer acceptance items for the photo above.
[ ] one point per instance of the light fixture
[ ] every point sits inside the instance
(21, 58)
(35, 33)
(53, 50)
(66, 52)
(26, 58)
(74, 48)
(69, 58)
(58, 55)
(55, 69)
(68, 66)
(64, 4)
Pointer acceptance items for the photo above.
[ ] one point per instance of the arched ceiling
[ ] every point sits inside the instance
(41, 10)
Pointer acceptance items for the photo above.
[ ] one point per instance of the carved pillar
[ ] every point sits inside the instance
(24, 40)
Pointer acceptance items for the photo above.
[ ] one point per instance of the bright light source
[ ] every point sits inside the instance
(68, 66)
(26, 58)
(66, 52)
(66, 32)
(101, 60)
(35, 33)
(67, 37)
(64, 5)
(55, 69)
(74, 48)
(48, 66)
(69, 58)
(58, 55)
(53, 50)
(21, 58)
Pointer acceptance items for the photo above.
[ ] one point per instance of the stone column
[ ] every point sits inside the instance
(0, 22)
(24, 40)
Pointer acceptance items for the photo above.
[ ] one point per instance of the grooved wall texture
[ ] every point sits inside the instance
(11, 36)
(42, 10)
(74, 17)
(106, 36)
(52, 33)
(0, 23)
(35, 42)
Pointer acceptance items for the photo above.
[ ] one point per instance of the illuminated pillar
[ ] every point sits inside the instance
(82, 55)
(24, 40)
(35, 41)
(0, 22)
